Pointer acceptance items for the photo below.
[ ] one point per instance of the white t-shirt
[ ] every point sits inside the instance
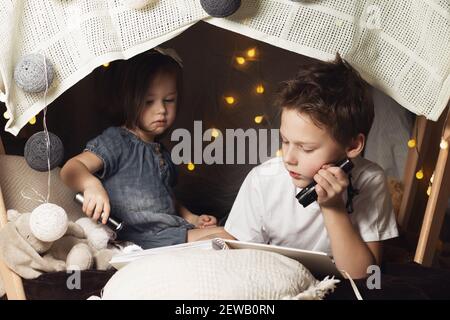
(266, 210)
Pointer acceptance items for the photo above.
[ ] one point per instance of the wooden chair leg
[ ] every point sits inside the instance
(436, 206)
(11, 281)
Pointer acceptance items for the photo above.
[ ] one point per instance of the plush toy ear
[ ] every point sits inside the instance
(75, 230)
(12, 215)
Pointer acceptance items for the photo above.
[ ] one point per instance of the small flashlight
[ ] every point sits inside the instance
(113, 223)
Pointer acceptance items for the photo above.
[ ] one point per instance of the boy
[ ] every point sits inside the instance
(326, 114)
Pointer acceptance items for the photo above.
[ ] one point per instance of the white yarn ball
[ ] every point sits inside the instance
(137, 4)
(48, 222)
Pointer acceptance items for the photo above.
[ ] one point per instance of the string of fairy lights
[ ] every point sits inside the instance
(242, 59)
(412, 144)
(250, 55)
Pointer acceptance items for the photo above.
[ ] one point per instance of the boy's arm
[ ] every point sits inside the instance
(350, 252)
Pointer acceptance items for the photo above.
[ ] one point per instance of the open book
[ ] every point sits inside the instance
(318, 263)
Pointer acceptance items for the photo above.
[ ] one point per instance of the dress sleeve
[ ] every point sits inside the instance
(108, 147)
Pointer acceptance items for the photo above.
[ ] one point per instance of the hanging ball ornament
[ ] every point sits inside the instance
(35, 152)
(48, 222)
(31, 72)
(137, 4)
(220, 9)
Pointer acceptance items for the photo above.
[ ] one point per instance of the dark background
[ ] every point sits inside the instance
(210, 73)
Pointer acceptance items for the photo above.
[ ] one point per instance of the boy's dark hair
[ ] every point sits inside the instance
(333, 95)
(138, 72)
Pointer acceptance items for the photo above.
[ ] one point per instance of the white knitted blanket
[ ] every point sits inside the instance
(401, 47)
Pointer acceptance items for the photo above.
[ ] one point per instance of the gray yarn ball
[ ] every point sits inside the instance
(29, 73)
(35, 152)
(220, 8)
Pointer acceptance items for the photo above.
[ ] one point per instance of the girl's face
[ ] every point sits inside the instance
(306, 147)
(160, 107)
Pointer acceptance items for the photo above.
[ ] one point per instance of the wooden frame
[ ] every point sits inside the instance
(436, 205)
(12, 282)
(413, 164)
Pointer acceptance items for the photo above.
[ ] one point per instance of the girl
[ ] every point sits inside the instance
(127, 172)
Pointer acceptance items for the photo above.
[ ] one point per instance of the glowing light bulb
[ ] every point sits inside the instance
(215, 133)
(432, 178)
(6, 115)
(279, 153)
(412, 143)
(419, 174)
(32, 121)
(251, 53)
(259, 119)
(106, 65)
(240, 60)
(230, 100)
(443, 144)
(260, 89)
(429, 191)
(190, 166)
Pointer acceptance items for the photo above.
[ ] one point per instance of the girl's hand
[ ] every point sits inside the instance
(205, 221)
(96, 203)
(331, 183)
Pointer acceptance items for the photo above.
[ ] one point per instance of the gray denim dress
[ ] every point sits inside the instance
(139, 177)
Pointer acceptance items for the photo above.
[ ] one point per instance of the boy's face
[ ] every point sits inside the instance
(306, 147)
(160, 105)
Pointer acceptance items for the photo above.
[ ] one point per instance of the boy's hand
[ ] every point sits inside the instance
(331, 182)
(205, 221)
(96, 203)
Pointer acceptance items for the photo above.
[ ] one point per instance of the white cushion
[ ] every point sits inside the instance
(221, 274)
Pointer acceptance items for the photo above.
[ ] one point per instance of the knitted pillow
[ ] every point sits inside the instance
(216, 274)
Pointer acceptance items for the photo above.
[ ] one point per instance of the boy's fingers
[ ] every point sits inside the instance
(336, 185)
(323, 180)
(320, 191)
(328, 176)
(338, 173)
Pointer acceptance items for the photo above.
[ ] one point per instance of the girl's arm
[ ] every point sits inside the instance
(185, 213)
(201, 221)
(77, 173)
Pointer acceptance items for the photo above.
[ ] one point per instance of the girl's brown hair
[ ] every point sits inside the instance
(137, 74)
